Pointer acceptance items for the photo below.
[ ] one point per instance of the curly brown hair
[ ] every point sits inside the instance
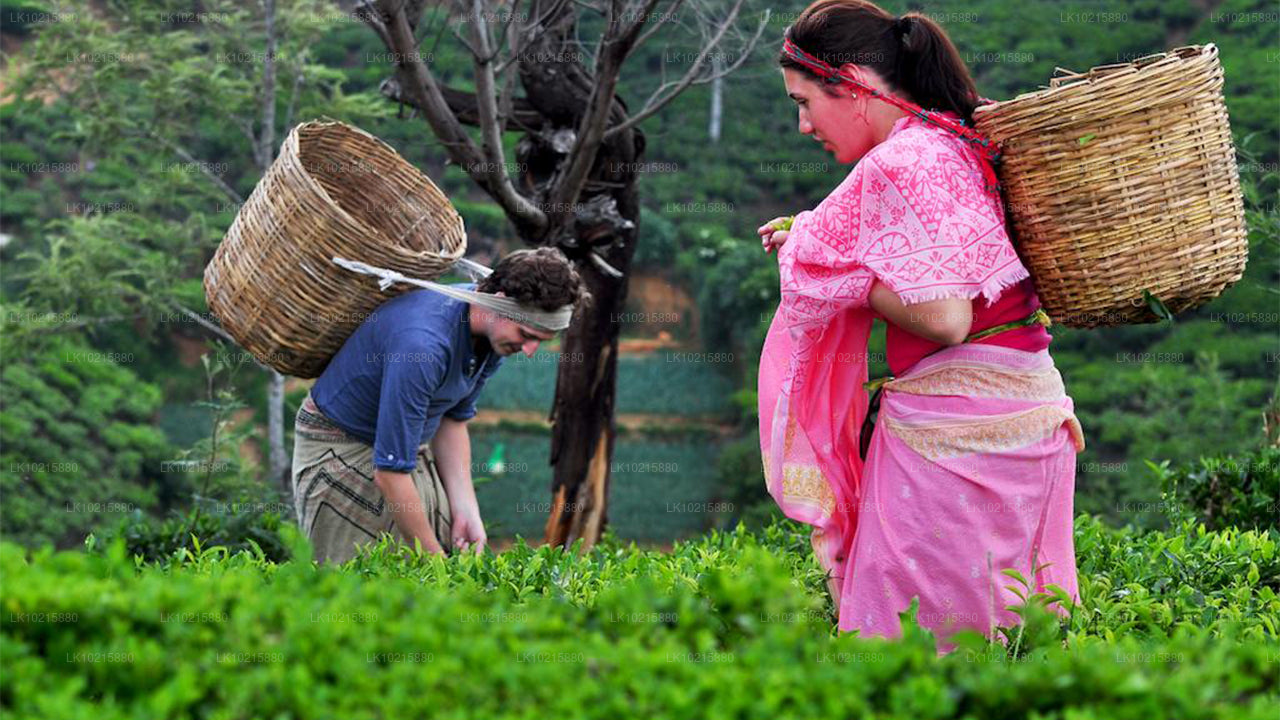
(541, 277)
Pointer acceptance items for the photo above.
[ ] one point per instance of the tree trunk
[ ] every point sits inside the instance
(278, 459)
(717, 102)
(583, 428)
(604, 222)
(576, 193)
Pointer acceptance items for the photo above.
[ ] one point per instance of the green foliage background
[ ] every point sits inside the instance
(107, 257)
(128, 145)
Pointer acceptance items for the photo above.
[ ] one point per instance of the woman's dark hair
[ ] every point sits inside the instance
(542, 277)
(912, 53)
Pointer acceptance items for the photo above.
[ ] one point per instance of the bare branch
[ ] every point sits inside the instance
(551, 12)
(466, 43)
(506, 25)
(216, 330)
(422, 86)
(694, 75)
(613, 50)
(486, 99)
(662, 20)
(646, 9)
(605, 267)
(588, 138)
(593, 7)
(246, 129)
(367, 10)
(506, 93)
(464, 106)
(539, 23)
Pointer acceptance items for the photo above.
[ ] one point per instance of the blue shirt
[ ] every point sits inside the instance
(409, 363)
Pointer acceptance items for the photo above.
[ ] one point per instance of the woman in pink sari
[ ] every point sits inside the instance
(970, 469)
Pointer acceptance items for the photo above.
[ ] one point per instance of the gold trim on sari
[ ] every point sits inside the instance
(991, 434)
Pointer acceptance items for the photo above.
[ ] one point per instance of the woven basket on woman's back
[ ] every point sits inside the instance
(334, 190)
(1122, 181)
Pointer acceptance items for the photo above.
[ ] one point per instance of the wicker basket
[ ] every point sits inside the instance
(333, 190)
(1123, 181)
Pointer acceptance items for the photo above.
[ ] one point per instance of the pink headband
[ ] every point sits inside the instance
(989, 151)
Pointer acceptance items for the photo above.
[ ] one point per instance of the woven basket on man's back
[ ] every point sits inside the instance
(1122, 182)
(333, 190)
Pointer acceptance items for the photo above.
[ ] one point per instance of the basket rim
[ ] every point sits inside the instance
(1169, 60)
(294, 142)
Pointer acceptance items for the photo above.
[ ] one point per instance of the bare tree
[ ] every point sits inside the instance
(574, 183)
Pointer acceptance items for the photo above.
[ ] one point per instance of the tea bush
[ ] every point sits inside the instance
(1153, 583)
(157, 540)
(1239, 491)
(732, 625)
(77, 447)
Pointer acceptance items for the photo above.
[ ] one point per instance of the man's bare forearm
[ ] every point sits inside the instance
(452, 449)
(407, 509)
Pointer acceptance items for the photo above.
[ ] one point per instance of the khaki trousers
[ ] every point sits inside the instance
(338, 505)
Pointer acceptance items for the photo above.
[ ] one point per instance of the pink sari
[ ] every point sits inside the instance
(972, 465)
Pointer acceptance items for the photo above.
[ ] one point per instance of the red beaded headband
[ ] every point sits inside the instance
(988, 150)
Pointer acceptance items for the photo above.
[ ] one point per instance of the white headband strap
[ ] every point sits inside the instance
(553, 321)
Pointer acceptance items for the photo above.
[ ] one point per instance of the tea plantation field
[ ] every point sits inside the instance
(662, 482)
(1184, 624)
(663, 383)
(660, 489)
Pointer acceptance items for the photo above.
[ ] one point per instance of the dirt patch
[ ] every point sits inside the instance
(654, 305)
(641, 346)
(630, 421)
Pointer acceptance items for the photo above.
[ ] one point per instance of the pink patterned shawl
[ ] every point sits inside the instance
(913, 213)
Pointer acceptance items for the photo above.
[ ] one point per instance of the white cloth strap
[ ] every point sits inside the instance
(533, 317)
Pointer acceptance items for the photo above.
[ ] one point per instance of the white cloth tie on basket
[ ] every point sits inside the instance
(533, 317)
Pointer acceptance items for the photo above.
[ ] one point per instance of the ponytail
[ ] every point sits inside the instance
(930, 69)
(912, 54)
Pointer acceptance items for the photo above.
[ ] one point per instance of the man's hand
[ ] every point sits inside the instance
(452, 449)
(468, 529)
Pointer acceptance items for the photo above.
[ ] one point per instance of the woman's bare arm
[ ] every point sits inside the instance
(945, 321)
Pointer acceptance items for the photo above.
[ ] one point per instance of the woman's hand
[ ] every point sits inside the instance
(771, 236)
(834, 583)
